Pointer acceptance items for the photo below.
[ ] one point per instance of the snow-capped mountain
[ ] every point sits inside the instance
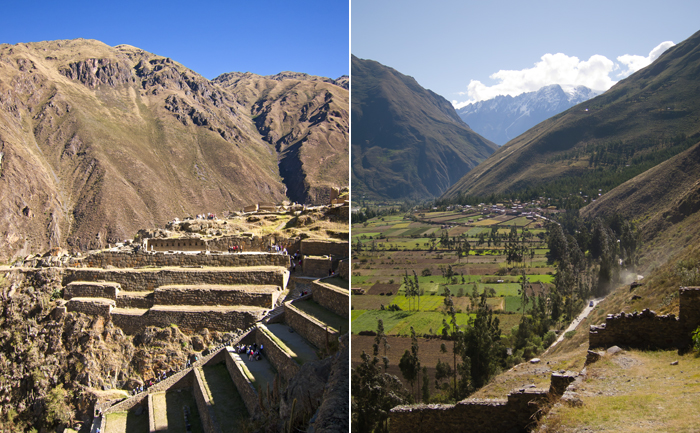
(505, 117)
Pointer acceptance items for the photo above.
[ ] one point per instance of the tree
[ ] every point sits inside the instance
(425, 389)
(480, 345)
(467, 248)
(373, 395)
(58, 411)
(450, 310)
(556, 242)
(380, 338)
(522, 291)
(409, 363)
(442, 371)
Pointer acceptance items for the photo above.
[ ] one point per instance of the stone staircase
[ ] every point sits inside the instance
(228, 387)
(223, 389)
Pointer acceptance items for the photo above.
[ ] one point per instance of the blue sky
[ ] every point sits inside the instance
(263, 37)
(454, 47)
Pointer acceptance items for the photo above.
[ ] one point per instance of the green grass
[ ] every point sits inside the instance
(175, 401)
(338, 282)
(400, 322)
(427, 303)
(227, 403)
(316, 311)
(121, 422)
(513, 304)
(282, 346)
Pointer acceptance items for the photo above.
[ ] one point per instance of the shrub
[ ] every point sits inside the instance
(570, 334)
(696, 339)
(549, 338)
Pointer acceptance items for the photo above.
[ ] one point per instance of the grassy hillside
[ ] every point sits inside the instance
(640, 122)
(407, 141)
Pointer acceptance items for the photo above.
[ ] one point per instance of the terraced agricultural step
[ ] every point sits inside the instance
(264, 296)
(90, 289)
(137, 280)
(226, 407)
(188, 317)
(332, 296)
(174, 411)
(157, 413)
(127, 422)
(317, 325)
(135, 299)
(91, 306)
(285, 349)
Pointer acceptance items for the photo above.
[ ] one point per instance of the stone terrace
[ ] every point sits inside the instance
(227, 386)
(219, 298)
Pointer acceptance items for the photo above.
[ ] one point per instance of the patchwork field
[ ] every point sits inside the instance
(386, 250)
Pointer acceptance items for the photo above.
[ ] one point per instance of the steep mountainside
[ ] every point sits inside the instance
(665, 202)
(505, 117)
(407, 141)
(306, 118)
(98, 141)
(640, 122)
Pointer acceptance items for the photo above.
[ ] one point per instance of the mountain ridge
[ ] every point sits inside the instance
(639, 122)
(408, 142)
(504, 117)
(118, 139)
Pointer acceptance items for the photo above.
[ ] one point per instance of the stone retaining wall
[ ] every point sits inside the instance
(312, 247)
(152, 415)
(258, 296)
(308, 327)
(135, 300)
(482, 416)
(642, 330)
(245, 387)
(689, 310)
(204, 404)
(646, 330)
(181, 379)
(146, 279)
(279, 358)
(188, 320)
(160, 259)
(317, 266)
(81, 289)
(344, 269)
(91, 306)
(331, 298)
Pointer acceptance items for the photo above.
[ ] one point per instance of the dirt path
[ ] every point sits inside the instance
(575, 323)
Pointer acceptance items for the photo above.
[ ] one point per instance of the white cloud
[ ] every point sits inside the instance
(594, 73)
(635, 63)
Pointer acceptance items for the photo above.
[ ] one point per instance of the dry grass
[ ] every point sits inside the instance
(634, 391)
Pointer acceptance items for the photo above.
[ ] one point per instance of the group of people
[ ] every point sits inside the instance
(162, 375)
(277, 249)
(235, 249)
(296, 260)
(253, 351)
